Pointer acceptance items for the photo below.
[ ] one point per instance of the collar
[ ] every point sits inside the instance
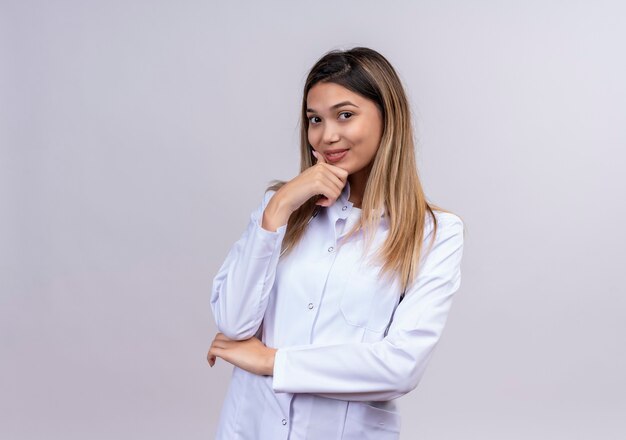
(342, 206)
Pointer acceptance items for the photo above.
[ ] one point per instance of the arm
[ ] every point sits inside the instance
(242, 285)
(392, 367)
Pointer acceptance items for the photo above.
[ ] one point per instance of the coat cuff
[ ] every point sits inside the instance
(267, 242)
(279, 374)
(286, 375)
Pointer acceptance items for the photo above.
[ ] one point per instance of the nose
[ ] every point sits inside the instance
(331, 134)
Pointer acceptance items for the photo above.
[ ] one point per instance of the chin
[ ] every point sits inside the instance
(345, 168)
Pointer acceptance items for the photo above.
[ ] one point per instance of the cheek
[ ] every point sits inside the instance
(374, 136)
(368, 138)
(312, 137)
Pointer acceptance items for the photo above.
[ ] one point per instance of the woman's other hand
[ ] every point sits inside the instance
(321, 179)
(250, 355)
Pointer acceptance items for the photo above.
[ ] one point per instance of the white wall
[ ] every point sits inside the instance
(137, 136)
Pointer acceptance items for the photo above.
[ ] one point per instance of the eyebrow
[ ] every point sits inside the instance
(339, 104)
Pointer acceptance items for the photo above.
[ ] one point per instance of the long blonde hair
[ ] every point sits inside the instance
(393, 183)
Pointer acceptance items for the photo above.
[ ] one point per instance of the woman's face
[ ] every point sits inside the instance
(344, 126)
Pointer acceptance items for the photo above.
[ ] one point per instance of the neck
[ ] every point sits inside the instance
(357, 182)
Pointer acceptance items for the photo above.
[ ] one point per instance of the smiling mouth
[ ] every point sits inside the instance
(335, 156)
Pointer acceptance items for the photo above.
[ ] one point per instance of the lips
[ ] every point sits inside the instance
(335, 155)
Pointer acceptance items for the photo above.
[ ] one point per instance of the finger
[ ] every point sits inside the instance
(216, 352)
(223, 341)
(334, 176)
(323, 201)
(210, 357)
(329, 193)
(339, 172)
(220, 343)
(333, 182)
(338, 180)
(222, 337)
(319, 156)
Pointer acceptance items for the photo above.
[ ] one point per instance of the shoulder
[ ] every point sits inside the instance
(449, 233)
(442, 252)
(447, 223)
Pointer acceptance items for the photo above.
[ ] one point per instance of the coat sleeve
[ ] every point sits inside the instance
(390, 368)
(242, 285)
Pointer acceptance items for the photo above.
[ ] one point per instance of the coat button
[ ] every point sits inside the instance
(310, 306)
(284, 422)
(344, 208)
(330, 249)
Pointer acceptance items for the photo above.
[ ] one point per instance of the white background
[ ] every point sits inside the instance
(137, 136)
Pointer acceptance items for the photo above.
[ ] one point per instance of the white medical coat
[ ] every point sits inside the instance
(346, 346)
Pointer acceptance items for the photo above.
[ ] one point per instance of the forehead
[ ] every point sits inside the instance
(323, 95)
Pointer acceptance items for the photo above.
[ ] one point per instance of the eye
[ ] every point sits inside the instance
(311, 120)
(346, 113)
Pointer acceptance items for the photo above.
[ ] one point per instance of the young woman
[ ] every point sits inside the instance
(330, 304)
